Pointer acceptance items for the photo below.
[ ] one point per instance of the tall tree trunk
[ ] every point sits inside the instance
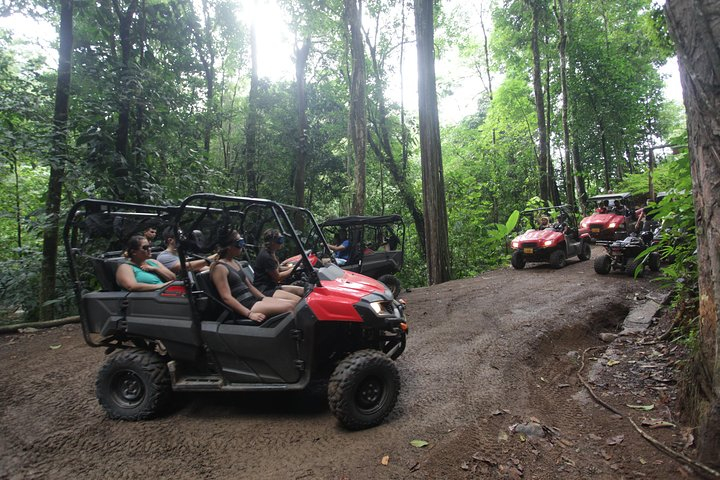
(301, 56)
(539, 103)
(562, 51)
(208, 61)
(436, 228)
(579, 180)
(358, 114)
(122, 136)
(552, 183)
(604, 153)
(58, 159)
(695, 24)
(252, 121)
(138, 143)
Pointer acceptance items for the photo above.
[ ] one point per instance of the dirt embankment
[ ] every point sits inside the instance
(484, 354)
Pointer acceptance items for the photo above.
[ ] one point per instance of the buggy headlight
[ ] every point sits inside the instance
(548, 243)
(515, 244)
(612, 225)
(382, 308)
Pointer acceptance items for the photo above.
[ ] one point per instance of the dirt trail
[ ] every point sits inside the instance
(483, 354)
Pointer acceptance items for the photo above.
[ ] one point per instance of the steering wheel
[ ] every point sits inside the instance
(296, 270)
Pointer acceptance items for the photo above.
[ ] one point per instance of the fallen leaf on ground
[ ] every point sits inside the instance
(610, 363)
(502, 437)
(385, 460)
(497, 412)
(563, 385)
(615, 440)
(55, 347)
(655, 423)
(419, 443)
(592, 436)
(642, 460)
(646, 408)
(605, 455)
(465, 466)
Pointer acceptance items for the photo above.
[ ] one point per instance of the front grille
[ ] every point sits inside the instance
(530, 245)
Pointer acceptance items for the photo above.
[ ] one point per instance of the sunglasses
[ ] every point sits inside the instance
(239, 243)
(147, 248)
(280, 240)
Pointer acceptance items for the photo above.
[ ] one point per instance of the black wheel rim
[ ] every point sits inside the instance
(370, 394)
(127, 389)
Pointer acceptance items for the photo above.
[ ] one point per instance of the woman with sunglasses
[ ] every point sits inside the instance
(141, 273)
(235, 288)
(269, 274)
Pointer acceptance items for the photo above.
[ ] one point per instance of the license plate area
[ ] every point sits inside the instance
(527, 250)
(595, 230)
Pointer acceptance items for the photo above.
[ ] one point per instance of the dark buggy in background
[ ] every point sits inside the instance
(377, 244)
(344, 332)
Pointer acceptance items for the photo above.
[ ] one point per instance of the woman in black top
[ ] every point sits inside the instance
(235, 289)
(268, 271)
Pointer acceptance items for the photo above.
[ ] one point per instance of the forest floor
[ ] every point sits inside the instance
(489, 380)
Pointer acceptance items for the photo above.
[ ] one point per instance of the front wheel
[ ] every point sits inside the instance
(557, 259)
(392, 283)
(518, 260)
(585, 252)
(602, 265)
(363, 389)
(133, 384)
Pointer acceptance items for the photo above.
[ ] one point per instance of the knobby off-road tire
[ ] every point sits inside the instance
(363, 389)
(518, 260)
(585, 252)
(630, 267)
(392, 283)
(557, 259)
(602, 264)
(133, 384)
(654, 261)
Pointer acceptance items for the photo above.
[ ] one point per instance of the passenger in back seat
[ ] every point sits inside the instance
(235, 288)
(169, 256)
(140, 273)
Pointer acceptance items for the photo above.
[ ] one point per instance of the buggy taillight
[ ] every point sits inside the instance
(174, 291)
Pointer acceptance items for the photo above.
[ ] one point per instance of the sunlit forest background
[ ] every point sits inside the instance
(166, 98)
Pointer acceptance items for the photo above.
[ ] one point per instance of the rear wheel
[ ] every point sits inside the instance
(557, 259)
(518, 260)
(392, 283)
(363, 389)
(133, 384)
(585, 252)
(602, 265)
(654, 261)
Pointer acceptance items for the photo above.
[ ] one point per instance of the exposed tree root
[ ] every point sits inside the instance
(699, 467)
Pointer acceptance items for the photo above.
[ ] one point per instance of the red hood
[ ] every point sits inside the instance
(336, 298)
(603, 219)
(293, 260)
(539, 236)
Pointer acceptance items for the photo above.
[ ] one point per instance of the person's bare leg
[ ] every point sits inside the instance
(294, 289)
(283, 295)
(272, 306)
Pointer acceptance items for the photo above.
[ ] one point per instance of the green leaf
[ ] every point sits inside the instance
(645, 408)
(419, 443)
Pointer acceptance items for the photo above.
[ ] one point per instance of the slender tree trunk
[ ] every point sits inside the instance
(58, 159)
(252, 121)
(552, 183)
(126, 95)
(604, 153)
(403, 126)
(436, 229)
(301, 56)
(562, 50)
(695, 24)
(358, 114)
(208, 60)
(539, 104)
(138, 142)
(579, 179)
(384, 152)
